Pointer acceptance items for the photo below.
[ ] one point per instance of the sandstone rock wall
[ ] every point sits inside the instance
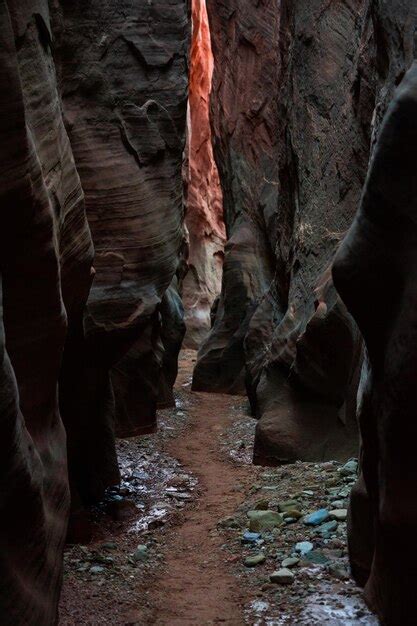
(292, 102)
(124, 77)
(204, 202)
(92, 120)
(245, 121)
(45, 267)
(304, 384)
(380, 250)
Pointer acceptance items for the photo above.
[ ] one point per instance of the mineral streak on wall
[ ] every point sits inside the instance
(204, 202)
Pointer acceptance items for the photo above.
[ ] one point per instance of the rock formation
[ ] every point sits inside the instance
(93, 114)
(379, 250)
(124, 76)
(45, 267)
(244, 120)
(292, 139)
(204, 203)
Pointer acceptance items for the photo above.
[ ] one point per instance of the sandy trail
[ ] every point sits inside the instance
(197, 586)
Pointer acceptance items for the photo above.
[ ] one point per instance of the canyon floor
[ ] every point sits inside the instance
(169, 545)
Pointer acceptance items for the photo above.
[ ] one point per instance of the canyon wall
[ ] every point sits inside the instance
(45, 266)
(289, 337)
(204, 202)
(244, 114)
(292, 103)
(379, 250)
(93, 116)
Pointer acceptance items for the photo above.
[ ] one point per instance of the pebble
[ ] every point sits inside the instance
(338, 514)
(141, 553)
(229, 522)
(316, 518)
(351, 467)
(288, 505)
(96, 569)
(256, 559)
(262, 505)
(304, 547)
(261, 520)
(338, 571)
(289, 562)
(316, 557)
(249, 537)
(295, 513)
(338, 504)
(282, 576)
(328, 528)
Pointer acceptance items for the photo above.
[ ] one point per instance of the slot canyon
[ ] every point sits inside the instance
(208, 393)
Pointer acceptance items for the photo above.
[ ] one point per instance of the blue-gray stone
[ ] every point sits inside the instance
(303, 547)
(249, 537)
(317, 518)
(326, 529)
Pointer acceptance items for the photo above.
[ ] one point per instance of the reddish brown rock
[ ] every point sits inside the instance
(379, 250)
(45, 266)
(204, 202)
(244, 120)
(292, 104)
(125, 91)
(124, 75)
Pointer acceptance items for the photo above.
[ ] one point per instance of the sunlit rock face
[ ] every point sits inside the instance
(45, 269)
(380, 250)
(292, 103)
(204, 202)
(125, 85)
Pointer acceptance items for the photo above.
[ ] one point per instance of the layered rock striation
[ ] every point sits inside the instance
(244, 116)
(292, 103)
(124, 76)
(93, 117)
(45, 267)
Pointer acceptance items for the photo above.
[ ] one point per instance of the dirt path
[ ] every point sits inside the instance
(197, 586)
(179, 484)
(186, 578)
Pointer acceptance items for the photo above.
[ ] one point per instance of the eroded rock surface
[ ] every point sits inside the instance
(124, 73)
(381, 249)
(204, 202)
(45, 266)
(93, 115)
(292, 135)
(244, 120)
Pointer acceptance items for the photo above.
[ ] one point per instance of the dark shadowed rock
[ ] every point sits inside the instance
(45, 267)
(123, 72)
(244, 123)
(124, 75)
(292, 104)
(379, 250)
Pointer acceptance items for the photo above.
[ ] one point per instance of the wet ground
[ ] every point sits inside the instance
(169, 545)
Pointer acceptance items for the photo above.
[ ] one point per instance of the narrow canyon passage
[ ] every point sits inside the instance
(208, 312)
(178, 554)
